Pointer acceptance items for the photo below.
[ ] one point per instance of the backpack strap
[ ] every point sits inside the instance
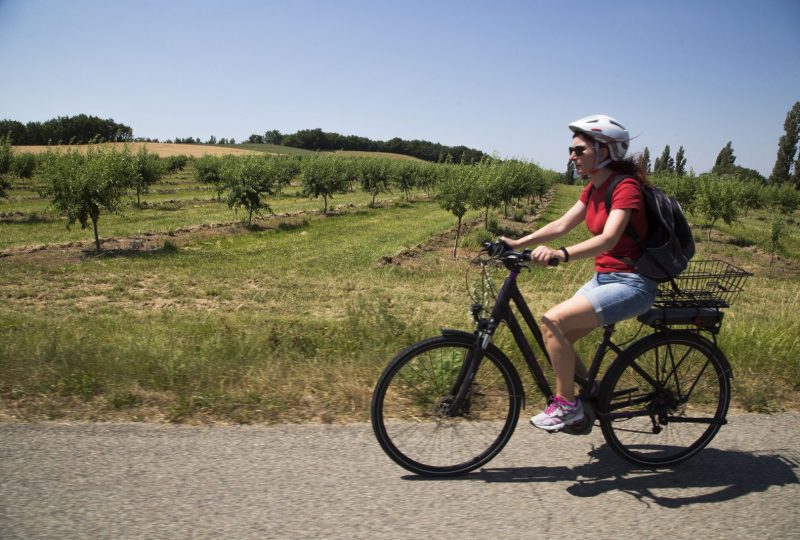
(629, 229)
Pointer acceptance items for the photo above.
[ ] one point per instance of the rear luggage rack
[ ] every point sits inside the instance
(697, 296)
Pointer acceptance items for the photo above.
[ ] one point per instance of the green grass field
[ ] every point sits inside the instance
(288, 323)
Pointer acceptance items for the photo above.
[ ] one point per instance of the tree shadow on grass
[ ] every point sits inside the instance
(167, 248)
(712, 476)
(22, 218)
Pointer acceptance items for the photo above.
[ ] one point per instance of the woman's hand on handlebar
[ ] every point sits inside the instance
(547, 257)
(512, 244)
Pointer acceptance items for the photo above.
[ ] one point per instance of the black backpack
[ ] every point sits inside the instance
(670, 245)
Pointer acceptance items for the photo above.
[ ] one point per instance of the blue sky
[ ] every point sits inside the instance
(504, 77)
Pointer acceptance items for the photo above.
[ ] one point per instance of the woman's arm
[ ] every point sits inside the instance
(606, 240)
(551, 231)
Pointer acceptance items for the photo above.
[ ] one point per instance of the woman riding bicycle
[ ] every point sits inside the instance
(616, 292)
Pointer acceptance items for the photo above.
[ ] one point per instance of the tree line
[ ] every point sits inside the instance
(316, 139)
(79, 129)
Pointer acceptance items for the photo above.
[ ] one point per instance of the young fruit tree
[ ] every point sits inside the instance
(718, 197)
(373, 175)
(81, 186)
(207, 169)
(323, 177)
(148, 171)
(249, 178)
(455, 185)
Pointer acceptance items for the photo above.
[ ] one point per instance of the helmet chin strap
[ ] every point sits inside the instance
(597, 166)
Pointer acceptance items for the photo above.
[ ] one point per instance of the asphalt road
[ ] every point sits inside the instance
(121, 481)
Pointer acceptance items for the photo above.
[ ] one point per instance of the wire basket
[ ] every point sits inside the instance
(708, 283)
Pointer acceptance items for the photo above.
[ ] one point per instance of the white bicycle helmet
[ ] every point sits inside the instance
(603, 128)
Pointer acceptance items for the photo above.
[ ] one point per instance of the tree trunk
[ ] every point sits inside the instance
(96, 236)
(458, 235)
(710, 228)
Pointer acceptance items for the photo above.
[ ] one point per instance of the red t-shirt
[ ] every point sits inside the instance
(626, 195)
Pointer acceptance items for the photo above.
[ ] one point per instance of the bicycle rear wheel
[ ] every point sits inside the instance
(665, 398)
(410, 407)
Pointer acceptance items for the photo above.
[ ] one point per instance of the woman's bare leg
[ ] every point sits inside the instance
(570, 319)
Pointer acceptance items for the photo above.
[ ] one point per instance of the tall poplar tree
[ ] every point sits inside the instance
(569, 177)
(665, 163)
(725, 160)
(787, 146)
(680, 162)
(644, 160)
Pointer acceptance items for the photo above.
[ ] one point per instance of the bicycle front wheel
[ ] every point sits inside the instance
(411, 413)
(664, 399)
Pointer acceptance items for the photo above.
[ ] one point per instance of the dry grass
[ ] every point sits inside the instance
(162, 149)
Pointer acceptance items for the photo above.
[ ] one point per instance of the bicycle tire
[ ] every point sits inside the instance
(409, 407)
(665, 398)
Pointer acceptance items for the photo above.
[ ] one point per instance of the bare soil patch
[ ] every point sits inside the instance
(148, 242)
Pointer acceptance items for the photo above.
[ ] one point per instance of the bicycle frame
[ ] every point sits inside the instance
(502, 312)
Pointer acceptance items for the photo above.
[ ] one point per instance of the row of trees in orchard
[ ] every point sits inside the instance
(714, 197)
(486, 185)
(490, 185)
(81, 185)
(84, 184)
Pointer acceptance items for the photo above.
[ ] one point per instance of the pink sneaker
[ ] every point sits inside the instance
(559, 414)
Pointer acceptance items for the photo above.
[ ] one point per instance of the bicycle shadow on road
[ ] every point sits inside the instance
(713, 476)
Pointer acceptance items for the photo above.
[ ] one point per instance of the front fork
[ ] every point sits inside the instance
(462, 388)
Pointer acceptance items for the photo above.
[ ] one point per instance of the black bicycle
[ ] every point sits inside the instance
(449, 404)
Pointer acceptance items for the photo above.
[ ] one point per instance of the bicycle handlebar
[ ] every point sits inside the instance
(512, 259)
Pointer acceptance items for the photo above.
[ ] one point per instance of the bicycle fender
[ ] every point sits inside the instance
(471, 336)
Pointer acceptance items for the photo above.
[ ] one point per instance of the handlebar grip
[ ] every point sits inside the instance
(553, 262)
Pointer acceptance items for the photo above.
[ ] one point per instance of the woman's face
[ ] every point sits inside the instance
(587, 158)
(581, 154)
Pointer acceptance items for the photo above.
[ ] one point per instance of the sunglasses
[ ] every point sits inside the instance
(579, 150)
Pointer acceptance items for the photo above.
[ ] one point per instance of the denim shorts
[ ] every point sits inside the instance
(617, 296)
